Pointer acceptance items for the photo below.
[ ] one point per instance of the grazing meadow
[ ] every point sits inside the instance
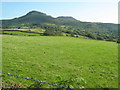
(23, 33)
(66, 61)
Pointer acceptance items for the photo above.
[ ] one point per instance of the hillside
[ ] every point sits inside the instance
(67, 18)
(32, 17)
(66, 61)
(67, 25)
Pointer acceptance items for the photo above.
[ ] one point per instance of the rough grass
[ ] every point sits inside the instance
(67, 61)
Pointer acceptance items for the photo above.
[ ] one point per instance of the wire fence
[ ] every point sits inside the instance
(12, 86)
(35, 80)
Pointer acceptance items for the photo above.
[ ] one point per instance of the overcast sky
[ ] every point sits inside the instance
(105, 11)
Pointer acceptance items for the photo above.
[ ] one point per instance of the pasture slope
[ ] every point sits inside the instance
(67, 61)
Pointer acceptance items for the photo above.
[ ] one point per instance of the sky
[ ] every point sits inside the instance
(89, 11)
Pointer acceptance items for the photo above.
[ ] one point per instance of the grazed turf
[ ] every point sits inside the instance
(66, 61)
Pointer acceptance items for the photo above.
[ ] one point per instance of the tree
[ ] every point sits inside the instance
(53, 31)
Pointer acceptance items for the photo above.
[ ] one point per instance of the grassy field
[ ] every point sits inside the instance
(39, 30)
(21, 33)
(67, 61)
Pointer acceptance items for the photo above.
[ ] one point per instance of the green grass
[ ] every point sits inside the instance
(39, 30)
(21, 33)
(66, 61)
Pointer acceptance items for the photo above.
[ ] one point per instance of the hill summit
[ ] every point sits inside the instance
(35, 12)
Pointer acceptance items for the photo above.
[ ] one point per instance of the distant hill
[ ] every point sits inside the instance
(68, 24)
(68, 18)
(30, 18)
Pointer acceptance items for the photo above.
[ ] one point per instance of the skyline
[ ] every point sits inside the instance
(84, 11)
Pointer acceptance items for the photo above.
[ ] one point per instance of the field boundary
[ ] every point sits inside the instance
(33, 80)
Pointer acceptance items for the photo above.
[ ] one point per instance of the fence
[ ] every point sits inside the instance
(33, 80)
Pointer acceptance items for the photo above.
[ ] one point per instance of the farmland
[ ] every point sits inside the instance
(66, 61)
(20, 33)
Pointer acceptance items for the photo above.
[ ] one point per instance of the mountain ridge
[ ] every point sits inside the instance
(34, 11)
(34, 19)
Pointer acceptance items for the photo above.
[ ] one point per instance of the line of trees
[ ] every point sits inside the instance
(58, 31)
